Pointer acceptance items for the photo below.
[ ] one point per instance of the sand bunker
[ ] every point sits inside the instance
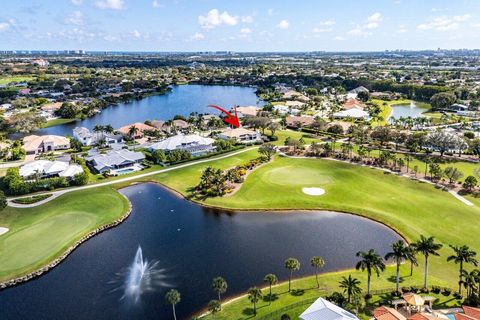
(313, 191)
(3, 230)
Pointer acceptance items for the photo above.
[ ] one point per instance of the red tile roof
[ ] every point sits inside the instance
(385, 313)
(472, 312)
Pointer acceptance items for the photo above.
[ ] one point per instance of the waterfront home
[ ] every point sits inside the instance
(250, 111)
(180, 125)
(294, 104)
(38, 144)
(387, 313)
(141, 129)
(115, 161)
(192, 143)
(297, 122)
(241, 135)
(48, 169)
(281, 109)
(352, 114)
(88, 138)
(291, 94)
(323, 309)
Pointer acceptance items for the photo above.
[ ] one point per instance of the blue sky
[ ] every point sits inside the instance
(241, 25)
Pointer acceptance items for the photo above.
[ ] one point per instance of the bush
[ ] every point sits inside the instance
(436, 289)
(285, 317)
(3, 200)
(368, 296)
(406, 289)
(457, 295)
(446, 292)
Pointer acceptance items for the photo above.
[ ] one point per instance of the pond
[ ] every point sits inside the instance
(182, 100)
(191, 245)
(413, 110)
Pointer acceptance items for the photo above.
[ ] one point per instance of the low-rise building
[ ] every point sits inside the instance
(113, 160)
(48, 169)
(88, 138)
(38, 144)
(249, 111)
(241, 135)
(141, 128)
(297, 122)
(192, 143)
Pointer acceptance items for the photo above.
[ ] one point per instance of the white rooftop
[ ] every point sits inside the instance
(46, 167)
(322, 309)
(181, 141)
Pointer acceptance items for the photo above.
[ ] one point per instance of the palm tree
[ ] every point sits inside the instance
(462, 255)
(412, 257)
(173, 297)
(271, 279)
(350, 286)
(220, 286)
(317, 262)
(108, 128)
(399, 253)
(370, 261)
(408, 158)
(427, 247)
(477, 280)
(291, 264)
(214, 307)
(254, 294)
(98, 128)
(132, 131)
(469, 281)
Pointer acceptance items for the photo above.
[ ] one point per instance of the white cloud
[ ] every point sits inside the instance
(376, 17)
(284, 24)
(444, 23)
(402, 29)
(111, 4)
(339, 38)
(245, 31)
(136, 34)
(270, 12)
(359, 31)
(4, 26)
(247, 19)
(197, 36)
(77, 2)
(321, 30)
(329, 22)
(156, 4)
(215, 19)
(76, 18)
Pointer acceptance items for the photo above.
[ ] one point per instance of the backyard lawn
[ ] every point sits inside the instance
(7, 80)
(39, 235)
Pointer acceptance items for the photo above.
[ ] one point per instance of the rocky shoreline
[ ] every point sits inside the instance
(54, 263)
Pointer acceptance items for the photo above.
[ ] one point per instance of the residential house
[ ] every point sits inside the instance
(354, 93)
(122, 159)
(141, 129)
(88, 138)
(38, 144)
(249, 111)
(352, 114)
(323, 309)
(241, 135)
(353, 104)
(299, 121)
(48, 169)
(192, 143)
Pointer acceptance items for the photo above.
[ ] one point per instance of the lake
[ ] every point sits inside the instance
(192, 245)
(182, 100)
(413, 110)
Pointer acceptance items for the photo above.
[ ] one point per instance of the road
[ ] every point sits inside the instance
(56, 194)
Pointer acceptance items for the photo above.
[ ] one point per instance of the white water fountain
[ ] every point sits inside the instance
(141, 277)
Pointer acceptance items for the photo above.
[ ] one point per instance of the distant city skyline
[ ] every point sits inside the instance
(212, 25)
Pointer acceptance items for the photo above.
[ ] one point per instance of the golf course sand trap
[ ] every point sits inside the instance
(3, 230)
(313, 191)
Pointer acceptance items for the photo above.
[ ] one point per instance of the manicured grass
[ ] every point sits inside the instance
(297, 135)
(40, 234)
(56, 122)
(7, 80)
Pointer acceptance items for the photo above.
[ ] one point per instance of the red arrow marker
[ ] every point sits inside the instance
(230, 119)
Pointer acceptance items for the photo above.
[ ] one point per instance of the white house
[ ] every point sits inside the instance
(88, 138)
(47, 169)
(241, 135)
(352, 113)
(322, 309)
(192, 143)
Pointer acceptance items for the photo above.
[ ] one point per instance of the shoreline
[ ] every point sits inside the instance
(49, 266)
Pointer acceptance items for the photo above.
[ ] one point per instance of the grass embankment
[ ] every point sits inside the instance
(57, 122)
(39, 235)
